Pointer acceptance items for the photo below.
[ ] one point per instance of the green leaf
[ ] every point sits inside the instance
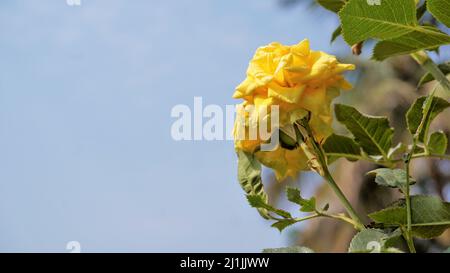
(361, 21)
(249, 173)
(440, 10)
(332, 5)
(416, 112)
(367, 240)
(424, 38)
(430, 216)
(444, 67)
(291, 249)
(394, 178)
(257, 201)
(282, 224)
(336, 33)
(437, 143)
(373, 134)
(306, 205)
(337, 146)
(392, 22)
(249, 176)
(373, 241)
(287, 141)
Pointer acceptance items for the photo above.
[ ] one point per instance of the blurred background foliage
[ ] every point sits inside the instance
(384, 89)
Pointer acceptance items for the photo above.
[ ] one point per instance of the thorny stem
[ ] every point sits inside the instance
(312, 216)
(409, 156)
(317, 214)
(408, 234)
(351, 211)
(325, 173)
(427, 63)
(421, 155)
(431, 155)
(341, 217)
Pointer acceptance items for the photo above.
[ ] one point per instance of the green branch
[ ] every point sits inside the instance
(312, 216)
(422, 155)
(425, 112)
(408, 233)
(317, 214)
(322, 169)
(427, 63)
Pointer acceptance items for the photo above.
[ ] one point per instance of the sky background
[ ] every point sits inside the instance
(85, 99)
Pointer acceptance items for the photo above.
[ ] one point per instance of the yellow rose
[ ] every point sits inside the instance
(298, 80)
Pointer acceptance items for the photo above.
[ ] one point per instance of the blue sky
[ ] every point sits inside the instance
(85, 100)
